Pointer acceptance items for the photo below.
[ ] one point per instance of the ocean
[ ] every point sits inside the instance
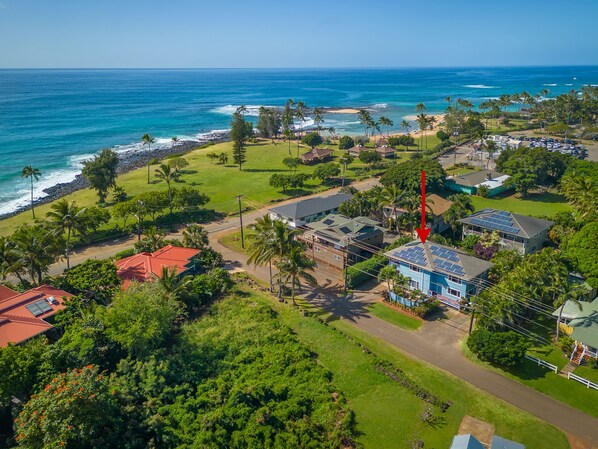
(55, 119)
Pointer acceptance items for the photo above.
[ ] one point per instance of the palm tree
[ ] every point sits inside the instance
(36, 250)
(33, 174)
(365, 119)
(431, 122)
(392, 196)
(148, 139)
(420, 107)
(318, 118)
(461, 208)
(172, 282)
(263, 246)
(195, 236)
(582, 193)
(385, 121)
(66, 216)
(300, 111)
(166, 173)
(9, 260)
(568, 293)
(174, 140)
(422, 121)
(294, 266)
(153, 240)
(406, 126)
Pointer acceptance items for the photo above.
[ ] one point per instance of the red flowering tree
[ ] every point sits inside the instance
(76, 409)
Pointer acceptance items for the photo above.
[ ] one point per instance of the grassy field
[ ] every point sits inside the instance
(387, 415)
(535, 204)
(588, 373)
(551, 384)
(232, 240)
(221, 182)
(459, 171)
(393, 316)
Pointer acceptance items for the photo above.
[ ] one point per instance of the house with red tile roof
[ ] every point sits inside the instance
(28, 314)
(144, 266)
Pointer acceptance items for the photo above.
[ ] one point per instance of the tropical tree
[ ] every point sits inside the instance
(167, 173)
(100, 172)
(582, 192)
(288, 116)
(148, 140)
(422, 121)
(174, 140)
(294, 266)
(66, 217)
(392, 196)
(392, 277)
(153, 240)
(263, 247)
(569, 293)
(172, 283)
(33, 174)
(461, 208)
(365, 119)
(239, 134)
(37, 250)
(9, 259)
(195, 236)
(318, 118)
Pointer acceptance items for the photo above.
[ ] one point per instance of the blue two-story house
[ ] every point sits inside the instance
(439, 271)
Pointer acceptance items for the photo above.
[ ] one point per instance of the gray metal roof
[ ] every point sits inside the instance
(507, 222)
(342, 230)
(503, 443)
(466, 442)
(440, 259)
(311, 206)
(475, 178)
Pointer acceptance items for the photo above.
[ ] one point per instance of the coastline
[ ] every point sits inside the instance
(127, 162)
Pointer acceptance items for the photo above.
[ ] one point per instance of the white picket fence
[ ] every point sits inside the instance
(582, 380)
(550, 366)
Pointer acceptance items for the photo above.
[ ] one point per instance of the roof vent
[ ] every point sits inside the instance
(489, 176)
(52, 300)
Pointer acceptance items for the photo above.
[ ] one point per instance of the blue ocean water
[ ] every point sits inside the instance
(54, 119)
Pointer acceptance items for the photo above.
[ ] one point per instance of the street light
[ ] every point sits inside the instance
(456, 134)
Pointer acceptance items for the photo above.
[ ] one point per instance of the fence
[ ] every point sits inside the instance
(582, 380)
(550, 366)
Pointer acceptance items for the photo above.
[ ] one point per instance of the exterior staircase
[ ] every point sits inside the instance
(577, 355)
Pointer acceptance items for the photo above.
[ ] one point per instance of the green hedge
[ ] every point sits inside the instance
(364, 271)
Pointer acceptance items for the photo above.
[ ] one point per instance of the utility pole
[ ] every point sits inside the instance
(241, 221)
(456, 134)
(472, 317)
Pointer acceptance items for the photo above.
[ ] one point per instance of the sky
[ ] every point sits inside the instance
(298, 33)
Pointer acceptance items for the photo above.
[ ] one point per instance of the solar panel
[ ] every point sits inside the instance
(39, 307)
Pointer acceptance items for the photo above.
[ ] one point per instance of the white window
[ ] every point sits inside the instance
(413, 285)
(415, 268)
(336, 257)
(317, 248)
(453, 292)
(454, 279)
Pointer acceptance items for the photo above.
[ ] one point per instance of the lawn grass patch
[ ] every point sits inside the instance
(387, 415)
(232, 240)
(545, 381)
(587, 373)
(222, 183)
(535, 204)
(393, 316)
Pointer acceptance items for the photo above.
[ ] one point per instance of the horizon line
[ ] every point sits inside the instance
(311, 68)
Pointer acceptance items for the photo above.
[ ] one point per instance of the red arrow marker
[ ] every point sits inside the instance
(423, 232)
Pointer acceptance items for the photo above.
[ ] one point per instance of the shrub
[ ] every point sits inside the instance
(312, 139)
(346, 142)
(566, 344)
(124, 253)
(501, 348)
(483, 191)
(442, 135)
(364, 271)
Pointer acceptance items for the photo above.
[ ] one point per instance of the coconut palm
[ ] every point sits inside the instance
(36, 249)
(195, 236)
(582, 193)
(392, 196)
(67, 217)
(300, 112)
(422, 121)
(33, 174)
(431, 123)
(148, 140)
(385, 121)
(263, 245)
(461, 208)
(318, 118)
(168, 174)
(365, 119)
(568, 293)
(174, 140)
(9, 260)
(420, 107)
(294, 266)
(172, 282)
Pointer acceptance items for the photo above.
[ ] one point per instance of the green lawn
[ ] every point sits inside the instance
(393, 316)
(588, 373)
(387, 415)
(459, 171)
(535, 204)
(232, 240)
(221, 182)
(546, 381)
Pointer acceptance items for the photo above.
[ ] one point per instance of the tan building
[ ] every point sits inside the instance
(338, 241)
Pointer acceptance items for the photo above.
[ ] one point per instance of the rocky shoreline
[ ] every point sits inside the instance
(127, 162)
